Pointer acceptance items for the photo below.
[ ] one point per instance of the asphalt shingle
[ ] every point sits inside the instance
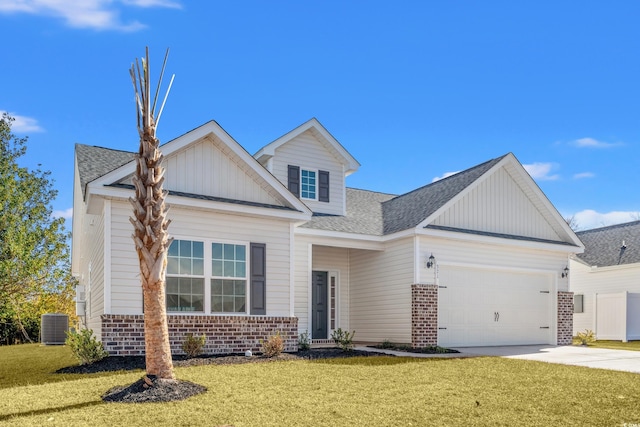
(614, 245)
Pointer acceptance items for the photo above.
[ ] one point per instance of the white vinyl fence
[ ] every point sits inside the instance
(618, 316)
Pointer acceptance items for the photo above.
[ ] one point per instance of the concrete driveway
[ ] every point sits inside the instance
(617, 360)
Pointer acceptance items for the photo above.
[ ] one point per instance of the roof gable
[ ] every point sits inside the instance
(613, 245)
(411, 209)
(205, 163)
(320, 133)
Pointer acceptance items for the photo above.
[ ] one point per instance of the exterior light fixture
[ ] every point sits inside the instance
(431, 261)
(565, 272)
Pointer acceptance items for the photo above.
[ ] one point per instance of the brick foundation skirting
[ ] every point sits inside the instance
(424, 315)
(123, 335)
(565, 318)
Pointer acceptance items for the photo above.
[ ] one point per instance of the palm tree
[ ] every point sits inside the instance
(150, 226)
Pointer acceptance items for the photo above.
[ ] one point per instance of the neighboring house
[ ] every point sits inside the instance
(606, 282)
(276, 242)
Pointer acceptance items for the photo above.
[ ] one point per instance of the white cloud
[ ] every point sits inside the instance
(445, 175)
(66, 214)
(588, 218)
(593, 143)
(94, 14)
(23, 124)
(583, 175)
(153, 3)
(541, 171)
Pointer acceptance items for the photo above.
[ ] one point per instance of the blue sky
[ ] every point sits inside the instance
(414, 90)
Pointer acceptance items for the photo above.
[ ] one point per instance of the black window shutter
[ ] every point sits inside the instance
(258, 282)
(323, 186)
(294, 180)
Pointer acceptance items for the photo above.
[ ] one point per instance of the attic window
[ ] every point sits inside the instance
(308, 184)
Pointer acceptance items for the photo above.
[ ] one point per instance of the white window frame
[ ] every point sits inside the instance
(315, 191)
(190, 276)
(208, 275)
(211, 277)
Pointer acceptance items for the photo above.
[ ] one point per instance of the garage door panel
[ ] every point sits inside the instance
(489, 307)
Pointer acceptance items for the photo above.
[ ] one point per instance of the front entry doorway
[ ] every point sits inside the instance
(319, 305)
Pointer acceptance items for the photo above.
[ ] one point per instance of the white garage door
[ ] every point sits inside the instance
(482, 307)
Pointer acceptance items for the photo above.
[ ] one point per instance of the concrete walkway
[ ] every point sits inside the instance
(617, 360)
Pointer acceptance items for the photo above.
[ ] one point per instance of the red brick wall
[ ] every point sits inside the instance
(424, 315)
(123, 335)
(565, 318)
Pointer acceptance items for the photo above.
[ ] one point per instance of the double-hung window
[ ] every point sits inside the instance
(308, 184)
(228, 278)
(185, 276)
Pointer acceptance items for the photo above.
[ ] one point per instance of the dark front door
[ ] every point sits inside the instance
(319, 305)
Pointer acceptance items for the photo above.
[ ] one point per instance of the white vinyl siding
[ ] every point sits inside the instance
(380, 292)
(302, 277)
(198, 224)
(603, 280)
(209, 168)
(308, 153)
(498, 205)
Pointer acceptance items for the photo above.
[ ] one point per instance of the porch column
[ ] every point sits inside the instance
(424, 315)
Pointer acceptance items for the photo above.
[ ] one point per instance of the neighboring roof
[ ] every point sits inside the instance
(94, 162)
(380, 214)
(320, 132)
(613, 245)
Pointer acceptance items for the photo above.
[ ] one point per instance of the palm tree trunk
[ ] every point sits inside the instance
(150, 231)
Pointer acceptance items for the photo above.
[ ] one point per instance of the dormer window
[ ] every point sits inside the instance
(309, 184)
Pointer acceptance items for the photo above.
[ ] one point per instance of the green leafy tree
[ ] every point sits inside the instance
(34, 254)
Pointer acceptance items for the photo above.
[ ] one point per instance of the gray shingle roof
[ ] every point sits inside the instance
(94, 162)
(379, 214)
(364, 214)
(604, 246)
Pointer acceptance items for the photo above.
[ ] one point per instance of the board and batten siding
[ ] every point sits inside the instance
(380, 292)
(605, 280)
(335, 260)
(498, 205)
(210, 168)
(307, 152)
(126, 290)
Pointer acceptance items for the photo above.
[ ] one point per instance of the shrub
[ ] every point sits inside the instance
(85, 347)
(343, 339)
(586, 337)
(387, 344)
(273, 346)
(193, 346)
(304, 341)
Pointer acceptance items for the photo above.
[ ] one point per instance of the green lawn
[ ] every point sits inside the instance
(374, 391)
(617, 345)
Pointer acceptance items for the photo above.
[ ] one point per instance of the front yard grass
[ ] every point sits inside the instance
(381, 391)
(615, 345)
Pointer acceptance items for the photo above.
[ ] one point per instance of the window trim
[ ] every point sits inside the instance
(245, 279)
(581, 298)
(208, 275)
(185, 276)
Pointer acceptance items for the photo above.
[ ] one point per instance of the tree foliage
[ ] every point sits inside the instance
(34, 254)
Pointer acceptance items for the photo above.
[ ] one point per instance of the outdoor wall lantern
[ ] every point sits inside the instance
(431, 261)
(565, 272)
